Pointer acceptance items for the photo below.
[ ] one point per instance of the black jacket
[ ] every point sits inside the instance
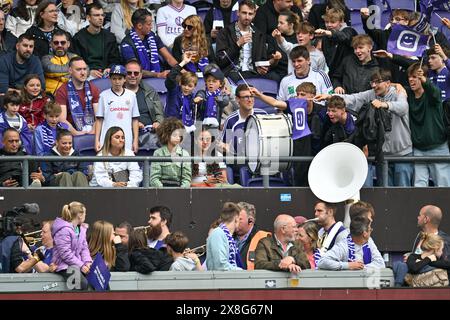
(318, 10)
(8, 42)
(177, 50)
(266, 19)
(41, 43)
(49, 169)
(146, 260)
(13, 169)
(209, 18)
(122, 261)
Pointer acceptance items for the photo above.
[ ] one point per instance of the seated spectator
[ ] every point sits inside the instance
(7, 39)
(223, 254)
(72, 16)
(144, 259)
(70, 245)
(240, 46)
(78, 99)
(11, 172)
(170, 174)
(428, 132)
(22, 17)
(168, 20)
(117, 107)
(116, 174)
(145, 46)
(180, 94)
(121, 20)
(45, 133)
(15, 65)
(123, 230)
(10, 118)
(308, 235)
(56, 64)
(304, 36)
(220, 15)
(183, 259)
(97, 46)
(280, 251)
(34, 100)
(103, 241)
(45, 25)
(193, 39)
(336, 39)
(357, 252)
(64, 173)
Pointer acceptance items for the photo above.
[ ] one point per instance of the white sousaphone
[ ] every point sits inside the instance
(337, 173)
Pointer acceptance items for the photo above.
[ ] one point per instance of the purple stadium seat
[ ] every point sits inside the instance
(402, 4)
(157, 84)
(101, 84)
(356, 4)
(248, 181)
(85, 144)
(266, 86)
(356, 22)
(230, 176)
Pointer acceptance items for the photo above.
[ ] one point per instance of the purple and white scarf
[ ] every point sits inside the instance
(80, 119)
(210, 117)
(367, 254)
(233, 256)
(200, 65)
(49, 134)
(187, 113)
(151, 64)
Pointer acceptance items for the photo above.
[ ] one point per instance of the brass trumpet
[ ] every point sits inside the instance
(141, 227)
(32, 241)
(199, 251)
(31, 238)
(31, 234)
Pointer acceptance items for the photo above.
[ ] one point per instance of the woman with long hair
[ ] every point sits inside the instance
(308, 236)
(70, 248)
(193, 39)
(72, 16)
(22, 17)
(103, 240)
(121, 17)
(116, 174)
(34, 100)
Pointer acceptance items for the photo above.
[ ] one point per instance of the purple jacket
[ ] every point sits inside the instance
(69, 250)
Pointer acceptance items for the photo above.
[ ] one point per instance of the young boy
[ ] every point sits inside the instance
(176, 243)
(45, 133)
(118, 107)
(180, 88)
(10, 118)
(306, 134)
(215, 98)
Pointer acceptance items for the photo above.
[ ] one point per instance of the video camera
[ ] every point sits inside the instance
(10, 221)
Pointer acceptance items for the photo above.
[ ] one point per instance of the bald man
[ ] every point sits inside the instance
(280, 252)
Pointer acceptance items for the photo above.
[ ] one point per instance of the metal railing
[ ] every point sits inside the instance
(146, 160)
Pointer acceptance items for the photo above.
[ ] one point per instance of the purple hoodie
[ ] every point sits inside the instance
(69, 249)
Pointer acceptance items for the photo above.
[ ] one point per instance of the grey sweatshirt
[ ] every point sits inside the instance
(182, 264)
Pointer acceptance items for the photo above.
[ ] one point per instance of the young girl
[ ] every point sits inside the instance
(180, 88)
(45, 133)
(170, 174)
(10, 118)
(103, 240)
(34, 100)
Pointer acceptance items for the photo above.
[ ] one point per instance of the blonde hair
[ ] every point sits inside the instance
(127, 11)
(70, 211)
(198, 38)
(100, 241)
(430, 242)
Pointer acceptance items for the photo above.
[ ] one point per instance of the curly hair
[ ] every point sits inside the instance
(198, 38)
(167, 127)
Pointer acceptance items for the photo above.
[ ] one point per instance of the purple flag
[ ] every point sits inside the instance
(406, 41)
(299, 110)
(428, 6)
(99, 275)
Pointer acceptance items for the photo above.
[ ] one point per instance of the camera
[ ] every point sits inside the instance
(10, 221)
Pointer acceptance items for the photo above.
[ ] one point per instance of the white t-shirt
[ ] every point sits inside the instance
(202, 172)
(169, 22)
(289, 84)
(118, 111)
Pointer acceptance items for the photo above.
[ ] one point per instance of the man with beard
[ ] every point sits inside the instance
(159, 222)
(428, 221)
(14, 66)
(56, 65)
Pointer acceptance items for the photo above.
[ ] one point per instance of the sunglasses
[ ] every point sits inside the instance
(57, 43)
(133, 73)
(188, 27)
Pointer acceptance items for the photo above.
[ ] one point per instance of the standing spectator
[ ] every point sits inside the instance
(170, 174)
(45, 133)
(319, 9)
(183, 261)
(439, 72)
(245, 45)
(116, 174)
(247, 235)
(96, 45)
(70, 245)
(308, 236)
(338, 124)
(221, 14)
(15, 65)
(7, 39)
(103, 241)
(280, 251)
(117, 107)
(169, 19)
(121, 20)
(145, 46)
(123, 230)
(223, 254)
(34, 100)
(65, 173)
(72, 16)
(78, 99)
(427, 128)
(159, 221)
(193, 39)
(46, 23)
(56, 64)
(22, 17)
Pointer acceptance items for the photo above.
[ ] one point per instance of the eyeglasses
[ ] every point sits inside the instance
(133, 73)
(188, 27)
(246, 97)
(57, 43)
(375, 82)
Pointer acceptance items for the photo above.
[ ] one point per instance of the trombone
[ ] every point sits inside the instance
(199, 251)
(145, 228)
(31, 238)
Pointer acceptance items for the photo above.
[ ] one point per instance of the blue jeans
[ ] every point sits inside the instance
(401, 173)
(439, 172)
(369, 179)
(400, 269)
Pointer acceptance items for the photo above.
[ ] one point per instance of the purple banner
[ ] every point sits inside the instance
(299, 110)
(405, 41)
(428, 6)
(99, 275)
